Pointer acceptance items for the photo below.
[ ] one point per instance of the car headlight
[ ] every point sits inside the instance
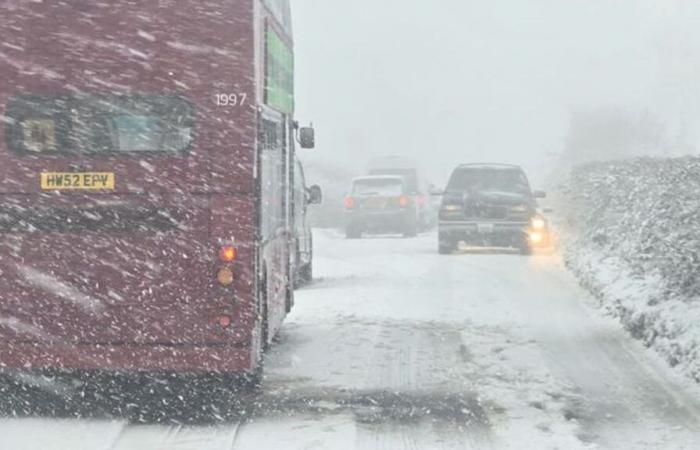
(536, 237)
(451, 208)
(538, 223)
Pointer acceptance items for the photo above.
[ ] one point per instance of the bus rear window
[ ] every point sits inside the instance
(82, 123)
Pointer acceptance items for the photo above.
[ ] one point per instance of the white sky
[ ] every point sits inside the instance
(450, 81)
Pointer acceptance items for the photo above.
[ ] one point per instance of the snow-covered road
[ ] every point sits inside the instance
(395, 346)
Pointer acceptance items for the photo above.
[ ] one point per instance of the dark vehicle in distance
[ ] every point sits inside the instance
(380, 204)
(303, 244)
(491, 205)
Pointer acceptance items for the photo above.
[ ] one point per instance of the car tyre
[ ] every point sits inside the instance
(446, 247)
(525, 248)
(353, 232)
(411, 229)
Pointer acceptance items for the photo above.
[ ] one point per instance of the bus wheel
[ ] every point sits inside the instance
(252, 381)
(307, 273)
(223, 396)
(289, 295)
(264, 328)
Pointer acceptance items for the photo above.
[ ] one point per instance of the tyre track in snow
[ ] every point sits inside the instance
(177, 437)
(412, 357)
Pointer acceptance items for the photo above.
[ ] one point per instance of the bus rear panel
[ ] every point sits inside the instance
(122, 176)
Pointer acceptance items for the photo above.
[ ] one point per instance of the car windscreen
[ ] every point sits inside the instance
(87, 123)
(409, 175)
(378, 186)
(489, 180)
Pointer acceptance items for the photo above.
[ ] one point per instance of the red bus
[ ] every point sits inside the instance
(146, 165)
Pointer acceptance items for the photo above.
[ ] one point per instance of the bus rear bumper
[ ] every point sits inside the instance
(218, 358)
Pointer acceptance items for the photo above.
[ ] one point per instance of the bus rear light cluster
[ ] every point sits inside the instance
(227, 255)
(349, 202)
(404, 201)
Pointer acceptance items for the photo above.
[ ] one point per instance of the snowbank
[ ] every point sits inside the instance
(632, 235)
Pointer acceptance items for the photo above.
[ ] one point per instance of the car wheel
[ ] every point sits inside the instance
(353, 232)
(411, 229)
(525, 248)
(446, 247)
(446, 244)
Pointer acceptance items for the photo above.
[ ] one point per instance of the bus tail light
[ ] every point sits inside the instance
(349, 202)
(228, 253)
(224, 321)
(404, 201)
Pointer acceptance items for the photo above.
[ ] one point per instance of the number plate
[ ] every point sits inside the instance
(375, 203)
(53, 181)
(485, 228)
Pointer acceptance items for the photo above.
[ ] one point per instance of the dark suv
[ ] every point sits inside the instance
(380, 204)
(490, 205)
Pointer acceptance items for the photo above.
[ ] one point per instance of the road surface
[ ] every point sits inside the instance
(397, 347)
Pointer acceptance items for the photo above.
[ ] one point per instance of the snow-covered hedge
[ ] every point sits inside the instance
(632, 235)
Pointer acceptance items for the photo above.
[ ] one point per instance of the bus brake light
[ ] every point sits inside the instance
(224, 321)
(404, 201)
(349, 203)
(228, 254)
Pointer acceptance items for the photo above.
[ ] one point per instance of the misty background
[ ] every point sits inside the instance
(534, 83)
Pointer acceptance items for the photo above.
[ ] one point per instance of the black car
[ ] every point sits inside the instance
(490, 205)
(380, 204)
